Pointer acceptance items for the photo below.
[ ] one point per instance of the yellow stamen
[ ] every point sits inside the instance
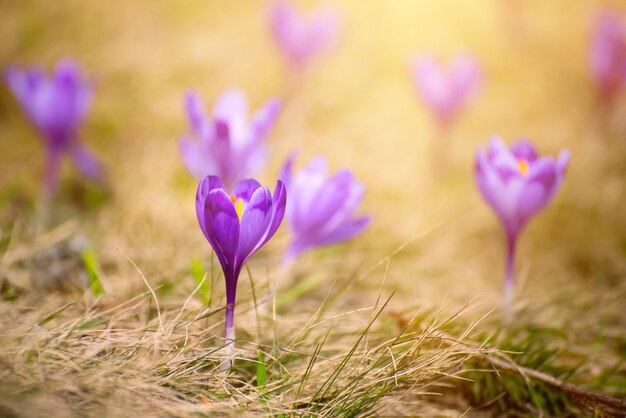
(238, 203)
(523, 166)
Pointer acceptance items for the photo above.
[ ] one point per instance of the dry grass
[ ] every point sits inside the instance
(331, 343)
(95, 357)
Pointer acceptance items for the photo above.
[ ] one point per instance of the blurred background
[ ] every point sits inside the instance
(357, 105)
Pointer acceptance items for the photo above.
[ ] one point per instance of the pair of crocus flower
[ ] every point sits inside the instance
(239, 217)
(445, 89)
(232, 147)
(239, 223)
(56, 106)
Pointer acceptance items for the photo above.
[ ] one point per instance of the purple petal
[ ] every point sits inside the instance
(517, 197)
(265, 118)
(23, 83)
(306, 186)
(333, 205)
(499, 193)
(324, 29)
(302, 37)
(68, 74)
(255, 221)
(446, 89)
(431, 82)
(222, 228)
(222, 129)
(608, 50)
(59, 104)
(466, 77)
(208, 184)
(224, 157)
(252, 159)
(502, 160)
(196, 115)
(231, 106)
(244, 189)
(532, 198)
(279, 203)
(524, 149)
(562, 162)
(543, 172)
(346, 231)
(195, 158)
(321, 209)
(205, 186)
(286, 171)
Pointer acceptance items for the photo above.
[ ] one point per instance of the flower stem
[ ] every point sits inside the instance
(509, 275)
(229, 329)
(51, 179)
(229, 325)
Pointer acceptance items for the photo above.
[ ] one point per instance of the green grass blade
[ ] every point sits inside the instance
(198, 273)
(261, 371)
(90, 261)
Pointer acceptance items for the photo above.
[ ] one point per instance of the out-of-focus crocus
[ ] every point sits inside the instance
(56, 106)
(517, 183)
(446, 89)
(237, 225)
(321, 208)
(303, 37)
(227, 145)
(608, 53)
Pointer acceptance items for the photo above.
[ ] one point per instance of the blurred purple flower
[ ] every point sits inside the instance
(608, 53)
(56, 106)
(446, 90)
(237, 225)
(517, 183)
(321, 209)
(228, 145)
(303, 37)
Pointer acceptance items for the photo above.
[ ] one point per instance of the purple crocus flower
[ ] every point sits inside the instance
(227, 145)
(321, 208)
(237, 225)
(446, 89)
(56, 106)
(303, 37)
(608, 53)
(517, 183)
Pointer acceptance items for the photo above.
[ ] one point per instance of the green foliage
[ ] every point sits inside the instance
(512, 394)
(92, 323)
(199, 274)
(90, 262)
(54, 315)
(261, 371)
(286, 297)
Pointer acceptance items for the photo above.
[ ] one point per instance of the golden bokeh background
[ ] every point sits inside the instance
(358, 107)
